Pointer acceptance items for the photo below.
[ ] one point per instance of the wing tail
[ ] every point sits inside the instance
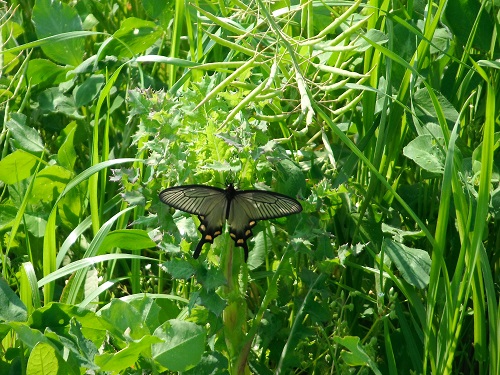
(207, 235)
(199, 247)
(245, 249)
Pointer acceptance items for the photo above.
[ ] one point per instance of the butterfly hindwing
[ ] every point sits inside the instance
(248, 206)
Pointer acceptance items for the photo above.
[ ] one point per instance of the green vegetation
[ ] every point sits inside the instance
(378, 116)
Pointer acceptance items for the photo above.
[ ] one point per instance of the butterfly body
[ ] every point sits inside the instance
(241, 209)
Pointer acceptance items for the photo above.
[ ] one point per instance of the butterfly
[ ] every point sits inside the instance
(241, 209)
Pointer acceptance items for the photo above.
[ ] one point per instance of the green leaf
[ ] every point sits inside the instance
(46, 360)
(149, 310)
(52, 17)
(291, 180)
(17, 166)
(130, 239)
(212, 301)
(22, 136)
(28, 336)
(127, 357)
(213, 279)
(11, 307)
(45, 72)
(160, 10)
(460, 16)
(84, 349)
(124, 317)
(49, 184)
(57, 316)
(88, 90)
(66, 155)
(426, 111)
(7, 215)
(53, 100)
(257, 254)
(212, 363)
(414, 264)
(84, 263)
(357, 355)
(36, 225)
(179, 268)
(183, 345)
(134, 37)
(425, 151)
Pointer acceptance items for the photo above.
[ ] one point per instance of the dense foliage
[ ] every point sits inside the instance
(379, 117)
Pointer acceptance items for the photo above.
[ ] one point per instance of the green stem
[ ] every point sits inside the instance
(235, 313)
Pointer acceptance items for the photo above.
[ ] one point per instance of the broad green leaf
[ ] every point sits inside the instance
(45, 73)
(72, 206)
(129, 239)
(127, 357)
(212, 301)
(460, 16)
(17, 166)
(257, 256)
(183, 345)
(356, 356)
(163, 11)
(414, 264)
(149, 310)
(211, 363)
(374, 35)
(11, 307)
(49, 184)
(27, 335)
(53, 100)
(7, 215)
(71, 351)
(135, 36)
(22, 136)
(58, 315)
(425, 151)
(88, 90)
(125, 318)
(291, 180)
(426, 111)
(52, 17)
(45, 360)
(66, 155)
(86, 349)
(179, 269)
(35, 224)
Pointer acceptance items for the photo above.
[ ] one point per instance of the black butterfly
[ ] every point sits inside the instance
(241, 208)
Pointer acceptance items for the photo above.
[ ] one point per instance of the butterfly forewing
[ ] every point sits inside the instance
(262, 205)
(195, 199)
